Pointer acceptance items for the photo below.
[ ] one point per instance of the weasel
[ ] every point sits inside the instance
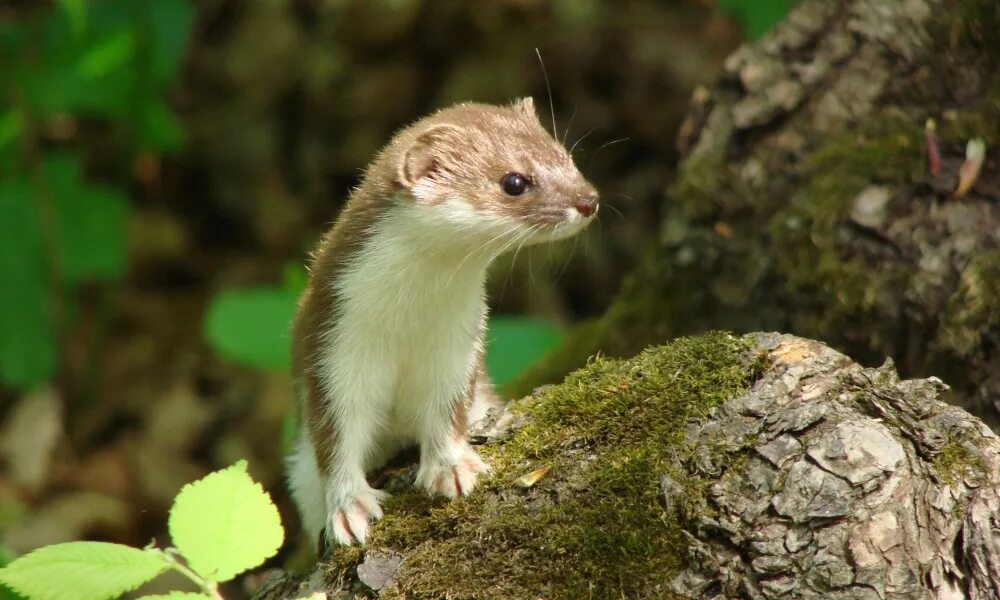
(387, 343)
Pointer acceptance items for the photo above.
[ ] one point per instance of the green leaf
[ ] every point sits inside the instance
(514, 343)
(158, 128)
(11, 125)
(252, 326)
(27, 341)
(169, 26)
(757, 16)
(177, 596)
(81, 571)
(225, 524)
(76, 12)
(295, 278)
(109, 53)
(91, 221)
(5, 592)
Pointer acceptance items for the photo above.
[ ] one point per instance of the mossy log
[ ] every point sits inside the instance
(805, 202)
(764, 466)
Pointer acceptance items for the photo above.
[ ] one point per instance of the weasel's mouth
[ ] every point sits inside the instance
(557, 225)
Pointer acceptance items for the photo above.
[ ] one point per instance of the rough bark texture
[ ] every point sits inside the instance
(821, 478)
(805, 203)
(856, 485)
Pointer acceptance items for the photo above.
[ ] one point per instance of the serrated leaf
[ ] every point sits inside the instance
(27, 342)
(514, 343)
(225, 524)
(252, 326)
(177, 596)
(5, 592)
(81, 571)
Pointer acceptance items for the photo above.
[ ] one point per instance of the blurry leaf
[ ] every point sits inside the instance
(11, 123)
(27, 344)
(29, 436)
(82, 571)
(91, 221)
(757, 16)
(295, 277)
(225, 524)
(169, 24)
(177, 596)
(67, 516)
(76, 12)
(252, 326)
(108, 54)
(514, 343)
(158, 128)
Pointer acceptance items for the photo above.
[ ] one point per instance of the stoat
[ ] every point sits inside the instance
(387, 344)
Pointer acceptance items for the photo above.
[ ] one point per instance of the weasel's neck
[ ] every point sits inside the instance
(406, 256)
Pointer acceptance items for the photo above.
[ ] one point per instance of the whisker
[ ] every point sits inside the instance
(569, 259)
(612, 207)
(531, 231)
(611, 143)
(552, 106)
(510, 229)
(569, 125)
(582, 137)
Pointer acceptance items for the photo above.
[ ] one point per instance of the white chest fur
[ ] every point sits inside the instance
(401, 349)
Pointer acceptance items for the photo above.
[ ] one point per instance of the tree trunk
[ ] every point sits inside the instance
(805, 202)
(769, 466)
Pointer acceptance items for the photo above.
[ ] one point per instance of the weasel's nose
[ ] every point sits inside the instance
(586, 205)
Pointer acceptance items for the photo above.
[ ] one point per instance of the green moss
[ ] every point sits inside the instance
(975, 308)
(957, 461)
(595, 526)
(887, 150)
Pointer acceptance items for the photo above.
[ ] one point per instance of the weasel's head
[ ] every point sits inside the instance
(493, 169)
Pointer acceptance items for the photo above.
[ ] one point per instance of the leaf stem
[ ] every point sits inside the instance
(171, 556)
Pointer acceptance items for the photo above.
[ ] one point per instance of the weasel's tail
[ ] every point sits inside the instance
(307, 487)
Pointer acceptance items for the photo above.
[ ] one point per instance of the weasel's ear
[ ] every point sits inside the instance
(426, 152)
(526, 107)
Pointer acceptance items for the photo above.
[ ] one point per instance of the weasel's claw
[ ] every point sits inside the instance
(452, 480)
(349, 523)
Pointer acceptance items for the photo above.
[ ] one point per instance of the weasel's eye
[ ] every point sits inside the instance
(515, 184)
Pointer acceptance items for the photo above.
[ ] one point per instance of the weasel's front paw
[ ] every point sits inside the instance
(451, 476)
(350, 513)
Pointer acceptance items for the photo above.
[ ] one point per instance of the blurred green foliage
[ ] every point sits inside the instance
(252, 326)
(515, 343)
(106, 64)
(756, 16)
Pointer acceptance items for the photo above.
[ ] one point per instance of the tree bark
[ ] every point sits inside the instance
(823, 479)
(805, 202)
